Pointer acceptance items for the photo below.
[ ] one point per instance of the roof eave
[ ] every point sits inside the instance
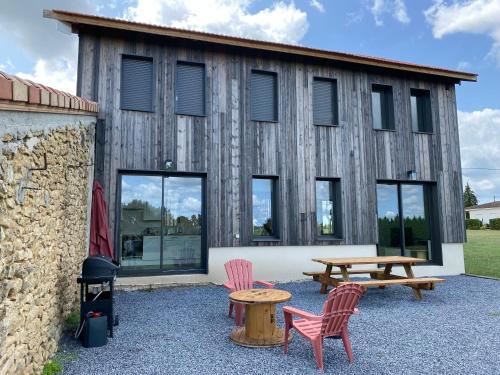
(75, 19)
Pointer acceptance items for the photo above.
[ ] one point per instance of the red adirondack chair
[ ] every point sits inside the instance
(239, 273)
(338, 307)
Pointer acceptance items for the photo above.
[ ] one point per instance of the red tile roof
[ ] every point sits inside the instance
(484, 205)
(22, 94)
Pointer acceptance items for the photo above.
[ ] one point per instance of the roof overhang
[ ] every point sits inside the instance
(77, 20)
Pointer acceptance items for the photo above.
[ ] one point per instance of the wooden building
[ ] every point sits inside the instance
(212, 147)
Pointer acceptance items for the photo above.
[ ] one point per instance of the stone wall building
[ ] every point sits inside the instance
(46, 157)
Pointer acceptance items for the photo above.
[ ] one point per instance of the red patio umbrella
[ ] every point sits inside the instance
(100, 242)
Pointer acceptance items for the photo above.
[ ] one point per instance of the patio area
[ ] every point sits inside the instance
(453, 330)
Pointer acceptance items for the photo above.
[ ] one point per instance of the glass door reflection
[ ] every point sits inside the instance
(140, 222)
(183, 223)
(389, 230)
(416, 221)
(404, 225)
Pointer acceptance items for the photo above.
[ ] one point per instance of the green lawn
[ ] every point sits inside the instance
(482, 253)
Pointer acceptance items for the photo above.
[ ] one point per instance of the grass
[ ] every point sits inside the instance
(56, 364)
(52, 367)
(72, 321)
(482, 253)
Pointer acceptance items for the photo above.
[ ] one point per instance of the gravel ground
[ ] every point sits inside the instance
(453, 330)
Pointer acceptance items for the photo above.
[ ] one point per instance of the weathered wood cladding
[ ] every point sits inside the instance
(231, 148)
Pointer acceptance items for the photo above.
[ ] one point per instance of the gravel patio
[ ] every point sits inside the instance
(454, 330)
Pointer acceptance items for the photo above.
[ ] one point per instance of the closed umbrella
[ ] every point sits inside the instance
(100, 242)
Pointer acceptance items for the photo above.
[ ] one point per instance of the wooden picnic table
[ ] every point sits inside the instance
(381, 276)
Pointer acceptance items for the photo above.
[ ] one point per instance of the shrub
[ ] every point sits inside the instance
(495, 223)
(473, 224)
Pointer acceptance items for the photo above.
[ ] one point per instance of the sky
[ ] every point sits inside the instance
(455, 34)
(182, 196)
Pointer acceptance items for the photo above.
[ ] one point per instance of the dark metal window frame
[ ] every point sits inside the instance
(424, 111)
(386, 107)
(336, 194)
(335, 100)
(193, 63)
(434, 222)
(153, 80)
(204, 243)
(276, 95)
(275, 208)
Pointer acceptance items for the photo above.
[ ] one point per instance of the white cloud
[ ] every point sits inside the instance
(318, 5)
(191, 204)
(354, 17)
(480, 148)
(59, 73)
(281, 22)
(55, 54)
(390, 214)
(486, 184)
(463, 65)
(471, 16)
(400, 13)
(377, 9)
(7, 65)
(397, 8)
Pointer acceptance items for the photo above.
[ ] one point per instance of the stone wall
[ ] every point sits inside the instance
(44, 195)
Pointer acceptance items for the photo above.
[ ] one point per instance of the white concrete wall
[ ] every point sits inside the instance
(281, 263)
(453, 263)
(485, 214)
(286, 263)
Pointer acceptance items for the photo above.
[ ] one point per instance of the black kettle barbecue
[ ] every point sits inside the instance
(100, 272)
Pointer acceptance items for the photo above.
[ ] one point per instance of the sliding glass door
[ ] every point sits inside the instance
(417, 232)
(404, 220)
(161, 223)
(182, 239)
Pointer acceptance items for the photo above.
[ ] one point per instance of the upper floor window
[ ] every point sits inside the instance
(190, 89)
(328, 208)
(325, 104)
(264, 96)
(421, 115)
(264, 207)
(382, 107)
(136, 91)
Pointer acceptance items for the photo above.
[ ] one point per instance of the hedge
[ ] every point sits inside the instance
(473, 223)
(495, 223)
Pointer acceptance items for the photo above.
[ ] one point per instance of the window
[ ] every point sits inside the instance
(161, 223)
(404, 220)
(328, 208)
(190, 89)
(264, 96)
(136, 83)
(421, 116)
(325, 105)
(382, 107)
(264, 209)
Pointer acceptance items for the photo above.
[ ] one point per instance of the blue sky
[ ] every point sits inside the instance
(455, 34)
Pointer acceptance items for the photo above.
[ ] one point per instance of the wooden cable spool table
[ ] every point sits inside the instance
(260, 328)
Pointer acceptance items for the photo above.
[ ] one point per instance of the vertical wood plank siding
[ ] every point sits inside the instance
(231, 148)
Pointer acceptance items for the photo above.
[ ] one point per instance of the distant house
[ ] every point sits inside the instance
(484, 212)
(213, 147)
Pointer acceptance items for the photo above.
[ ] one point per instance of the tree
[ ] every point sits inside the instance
(470, 198)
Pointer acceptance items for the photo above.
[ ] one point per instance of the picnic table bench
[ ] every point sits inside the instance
(381, 277)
